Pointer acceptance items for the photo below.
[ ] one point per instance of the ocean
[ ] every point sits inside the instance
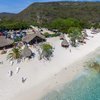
(83, 87)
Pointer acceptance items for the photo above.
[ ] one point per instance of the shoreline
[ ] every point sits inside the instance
(42, 76)
(58, 80)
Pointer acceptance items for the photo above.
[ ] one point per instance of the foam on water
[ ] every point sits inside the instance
(84, 87)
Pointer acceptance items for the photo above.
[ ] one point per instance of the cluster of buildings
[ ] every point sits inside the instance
(8, 38)
(32, 36)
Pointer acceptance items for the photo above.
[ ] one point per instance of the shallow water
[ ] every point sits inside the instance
(84, 87)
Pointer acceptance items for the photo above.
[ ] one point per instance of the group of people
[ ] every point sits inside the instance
(17, 71)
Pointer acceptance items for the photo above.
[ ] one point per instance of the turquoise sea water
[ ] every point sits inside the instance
(84, 87)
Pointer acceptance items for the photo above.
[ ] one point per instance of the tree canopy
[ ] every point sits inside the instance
(13, 25)
(15, 54)
(64, 24)
(74, 33)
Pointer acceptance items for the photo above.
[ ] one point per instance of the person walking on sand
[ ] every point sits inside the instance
(23, 79)
(17, 70)
(11, 62)
(10, 73)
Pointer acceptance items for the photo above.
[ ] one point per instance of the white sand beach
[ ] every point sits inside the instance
(43, 76)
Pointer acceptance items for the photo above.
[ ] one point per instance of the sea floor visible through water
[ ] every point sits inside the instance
(84, 87)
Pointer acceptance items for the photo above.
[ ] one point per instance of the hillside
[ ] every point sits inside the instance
(46, 12)
(6, 15)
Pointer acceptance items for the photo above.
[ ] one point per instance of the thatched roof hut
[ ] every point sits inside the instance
(26, 52)
(5, 42)
(65, 43)
(33, 38)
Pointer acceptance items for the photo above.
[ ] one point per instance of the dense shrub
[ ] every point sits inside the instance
(51, 35)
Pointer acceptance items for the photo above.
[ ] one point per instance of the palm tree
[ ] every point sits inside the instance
(15, 54)
(74, 33)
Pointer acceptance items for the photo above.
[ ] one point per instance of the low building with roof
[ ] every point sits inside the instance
(5, 42)
(33, 38)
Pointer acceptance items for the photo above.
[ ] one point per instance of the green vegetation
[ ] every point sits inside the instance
(51, 35)
(15, 54)
(95, 25)
(55, 15)
(46, 12)
(63, 25)
(47, 51)
(74, 33)
(13, 25)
